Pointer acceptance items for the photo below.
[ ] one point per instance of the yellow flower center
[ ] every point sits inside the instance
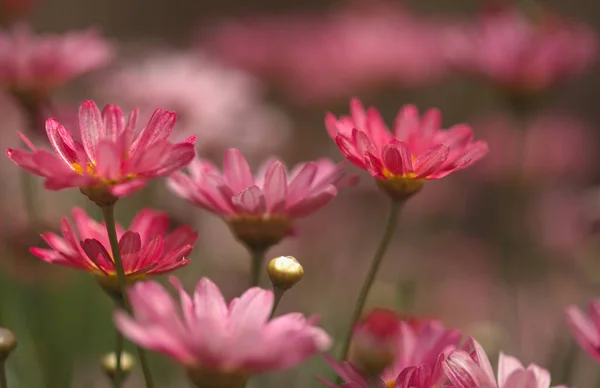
(390, 384)
(400, 187)
(259, 232)
(90, 168)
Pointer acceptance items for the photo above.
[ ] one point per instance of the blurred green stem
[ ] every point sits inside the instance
(278, 292)
(108, 212)
(3, 381)
(364, 291)
(258, 257)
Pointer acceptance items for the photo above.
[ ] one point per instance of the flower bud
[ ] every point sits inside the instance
(109, 364)
(8, 343)
(374, 342)
(285, 272)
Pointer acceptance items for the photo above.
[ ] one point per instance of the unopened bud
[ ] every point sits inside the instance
(374, 342)
(109, 364)
(8, 343)
(285, 272)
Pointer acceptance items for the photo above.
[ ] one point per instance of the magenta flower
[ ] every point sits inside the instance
(471, 368)
(260, 209)
(146, 248)
(38, 64)
(216, 341)
(417, 150)
(524, 54)
(108, 161)
(586, 329)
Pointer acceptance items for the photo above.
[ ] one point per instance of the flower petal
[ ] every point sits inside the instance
(92, 128)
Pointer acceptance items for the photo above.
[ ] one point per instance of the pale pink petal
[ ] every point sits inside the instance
(521, 379)
(300, 184)
(114, 122)
(507, 365)
(92, 128)
(584, 331)
(275, 188)
(149, 223)
(126, 188)
(108, 161)
(208, 301)
(236, 171)
(159, 128)
(313, 203)
(250, 201)
(187, 306)
(252, 310)
(61, 141)
(430, 161)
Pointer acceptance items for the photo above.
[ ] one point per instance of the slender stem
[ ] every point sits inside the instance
(364, 291)
(258, 257)
(278, 292)
(108, 212)
(28, 191)
(118, 378)
(3, 380)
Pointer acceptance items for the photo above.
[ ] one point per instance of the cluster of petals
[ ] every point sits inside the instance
(523, 52)
(206, 333)
(470, 368)
(210, 98)
(416, 149)
(586, 327)
(273, 192)
(108, 154)
(40, 63)
(316, 57)
(146, 248)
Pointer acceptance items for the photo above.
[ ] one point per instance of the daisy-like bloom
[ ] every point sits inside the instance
(146, 248)
(471, 368)
(219, 344)
(523, 54)
(586, 328)
(415, 151)
(107, 161)
(260, 209)
(37, 64)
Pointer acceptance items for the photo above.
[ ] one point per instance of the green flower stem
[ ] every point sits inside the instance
(375, 264)
(3, 380)
(258, 257)
(278, 292)
(108, 212)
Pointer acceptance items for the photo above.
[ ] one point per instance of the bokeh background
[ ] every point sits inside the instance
(497, 251)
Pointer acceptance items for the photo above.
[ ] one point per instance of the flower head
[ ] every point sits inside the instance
(33, 64)
(107, 161)
(417, 150)
(260, 209)
(146, 248)
(215, 340)
(524, 54)
(586, 329)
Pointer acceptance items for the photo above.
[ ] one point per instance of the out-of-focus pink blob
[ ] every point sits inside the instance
(316, 57)
(548, 148)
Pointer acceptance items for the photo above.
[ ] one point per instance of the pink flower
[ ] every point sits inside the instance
(146, 248)
(471, 368)
(417, 150)
(38, 64)
(109, 161)
(522, 54)
(586, 329)
(213, 339)
(260, 209)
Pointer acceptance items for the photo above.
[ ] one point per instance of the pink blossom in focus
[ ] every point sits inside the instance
(146, 247)
(586, 327)
(108, 160)
(37, 64)
(220, 105)
(471, 368)
(414, 151)
(316, 57)
(548, 147)
(209, 336)
(523, 54)
(265, 203)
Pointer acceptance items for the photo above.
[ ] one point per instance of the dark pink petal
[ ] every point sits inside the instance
(27, 142)
(331, 124)
(358, 113)
(173, 260)
(53, 257)
(98, 254)
(431, 121)
(250, 201)
(126, 188)
(181, 155)
(475, 152)
(150, 254)
(313, 203)
(159, 128)
(61, 141)
(349, 151)
(149, 223)
(362, 142)
(50, 165)
(114, 122)
(182, 236)
(275, 188)
(150, 158)
(374, 165)
(236, 171)
(407, 121)
(130, 245)
(58, 244)
(92, 128)
(108, 161)
(585, 332)
(24, 160)
(396, 158)
(430, 161)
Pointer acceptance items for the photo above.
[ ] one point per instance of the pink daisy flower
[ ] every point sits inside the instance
(146, 248)
(415, 151)
(586, 328)
(107, 161)
(216, 341)
(260, 208)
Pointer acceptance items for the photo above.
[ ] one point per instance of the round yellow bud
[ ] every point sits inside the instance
(8, 343)
(285, 272)
(109, 364)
